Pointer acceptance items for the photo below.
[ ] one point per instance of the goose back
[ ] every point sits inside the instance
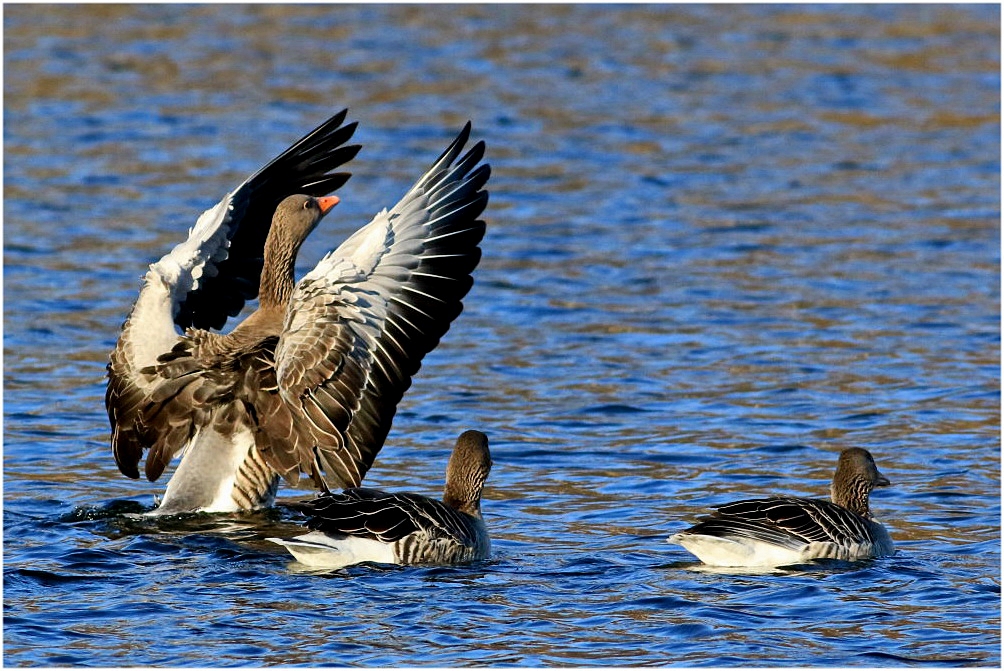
(420, 530)
(364, 524)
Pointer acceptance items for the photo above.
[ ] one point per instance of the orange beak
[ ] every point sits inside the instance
(326, 203)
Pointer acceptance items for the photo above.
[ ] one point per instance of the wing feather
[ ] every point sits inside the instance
(360, 323)
(786, 521)
(244, 217)
(386, 517)
(205, 280)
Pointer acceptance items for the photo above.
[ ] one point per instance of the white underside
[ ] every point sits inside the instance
(746, 552)
(716, 551)
(204, 480)
(320, 550)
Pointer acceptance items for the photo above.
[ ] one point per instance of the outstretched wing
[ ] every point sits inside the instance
(245, 216)
(377, 515)
(360, 323)
(207, 278)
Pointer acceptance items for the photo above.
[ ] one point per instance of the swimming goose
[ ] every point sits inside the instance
(321, 363)
(786, 530)
(368, 525)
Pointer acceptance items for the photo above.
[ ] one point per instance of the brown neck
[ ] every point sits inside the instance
(852, 494)
(277, 275)
(460, 494)
(472, 508)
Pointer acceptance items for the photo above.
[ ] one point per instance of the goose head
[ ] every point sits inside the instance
(295, 217)
(856, 477)
(467, 472)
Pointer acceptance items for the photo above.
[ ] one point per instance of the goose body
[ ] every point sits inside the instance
(787, 530)
(309, 382)
(369, 525)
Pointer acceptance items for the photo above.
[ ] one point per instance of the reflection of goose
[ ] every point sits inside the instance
(363, 525)
(322, 363)
(786, 530)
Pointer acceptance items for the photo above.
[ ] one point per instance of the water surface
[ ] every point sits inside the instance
(724, 243)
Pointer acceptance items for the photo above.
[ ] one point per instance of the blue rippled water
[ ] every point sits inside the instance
(725, 242)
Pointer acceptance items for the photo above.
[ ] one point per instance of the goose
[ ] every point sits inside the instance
(309, 382)
(787, 530)
(369, 525)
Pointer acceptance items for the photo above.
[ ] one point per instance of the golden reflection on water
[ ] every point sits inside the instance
(724, 243)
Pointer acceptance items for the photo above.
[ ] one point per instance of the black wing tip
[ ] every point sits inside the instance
(342, 134)
(453, 150)
(340, 116)
(327, 184)
(327, 139)
(480, 175)
(336, 120)
(350, 151)
(474, 155)
(129, 468)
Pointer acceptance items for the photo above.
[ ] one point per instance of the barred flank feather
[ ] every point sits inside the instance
(788, 530)
(363, 524)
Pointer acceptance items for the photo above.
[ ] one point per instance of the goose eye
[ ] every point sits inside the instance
(309, 204)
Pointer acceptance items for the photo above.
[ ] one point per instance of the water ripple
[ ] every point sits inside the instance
(723, 244)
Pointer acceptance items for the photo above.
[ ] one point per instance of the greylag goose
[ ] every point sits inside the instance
(786, 530)
(368, 525)
(309, 382)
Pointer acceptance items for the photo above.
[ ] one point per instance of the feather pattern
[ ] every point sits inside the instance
(360, 323)
(438, 529)
(787, 530)
(789, 521)
(401, 528)
(201, 283)
(308, 384)
(245, 217)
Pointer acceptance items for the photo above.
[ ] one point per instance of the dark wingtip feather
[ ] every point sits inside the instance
(127, 459)
(457, 144)
(306, 166)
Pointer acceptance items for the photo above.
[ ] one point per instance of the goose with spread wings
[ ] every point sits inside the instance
(309, 382)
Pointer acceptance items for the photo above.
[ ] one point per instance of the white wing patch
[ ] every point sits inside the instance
(150, 329)
(206, 245)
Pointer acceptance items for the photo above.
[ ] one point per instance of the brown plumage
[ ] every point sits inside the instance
(363, 524)
(786, 530)
(310, 381)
